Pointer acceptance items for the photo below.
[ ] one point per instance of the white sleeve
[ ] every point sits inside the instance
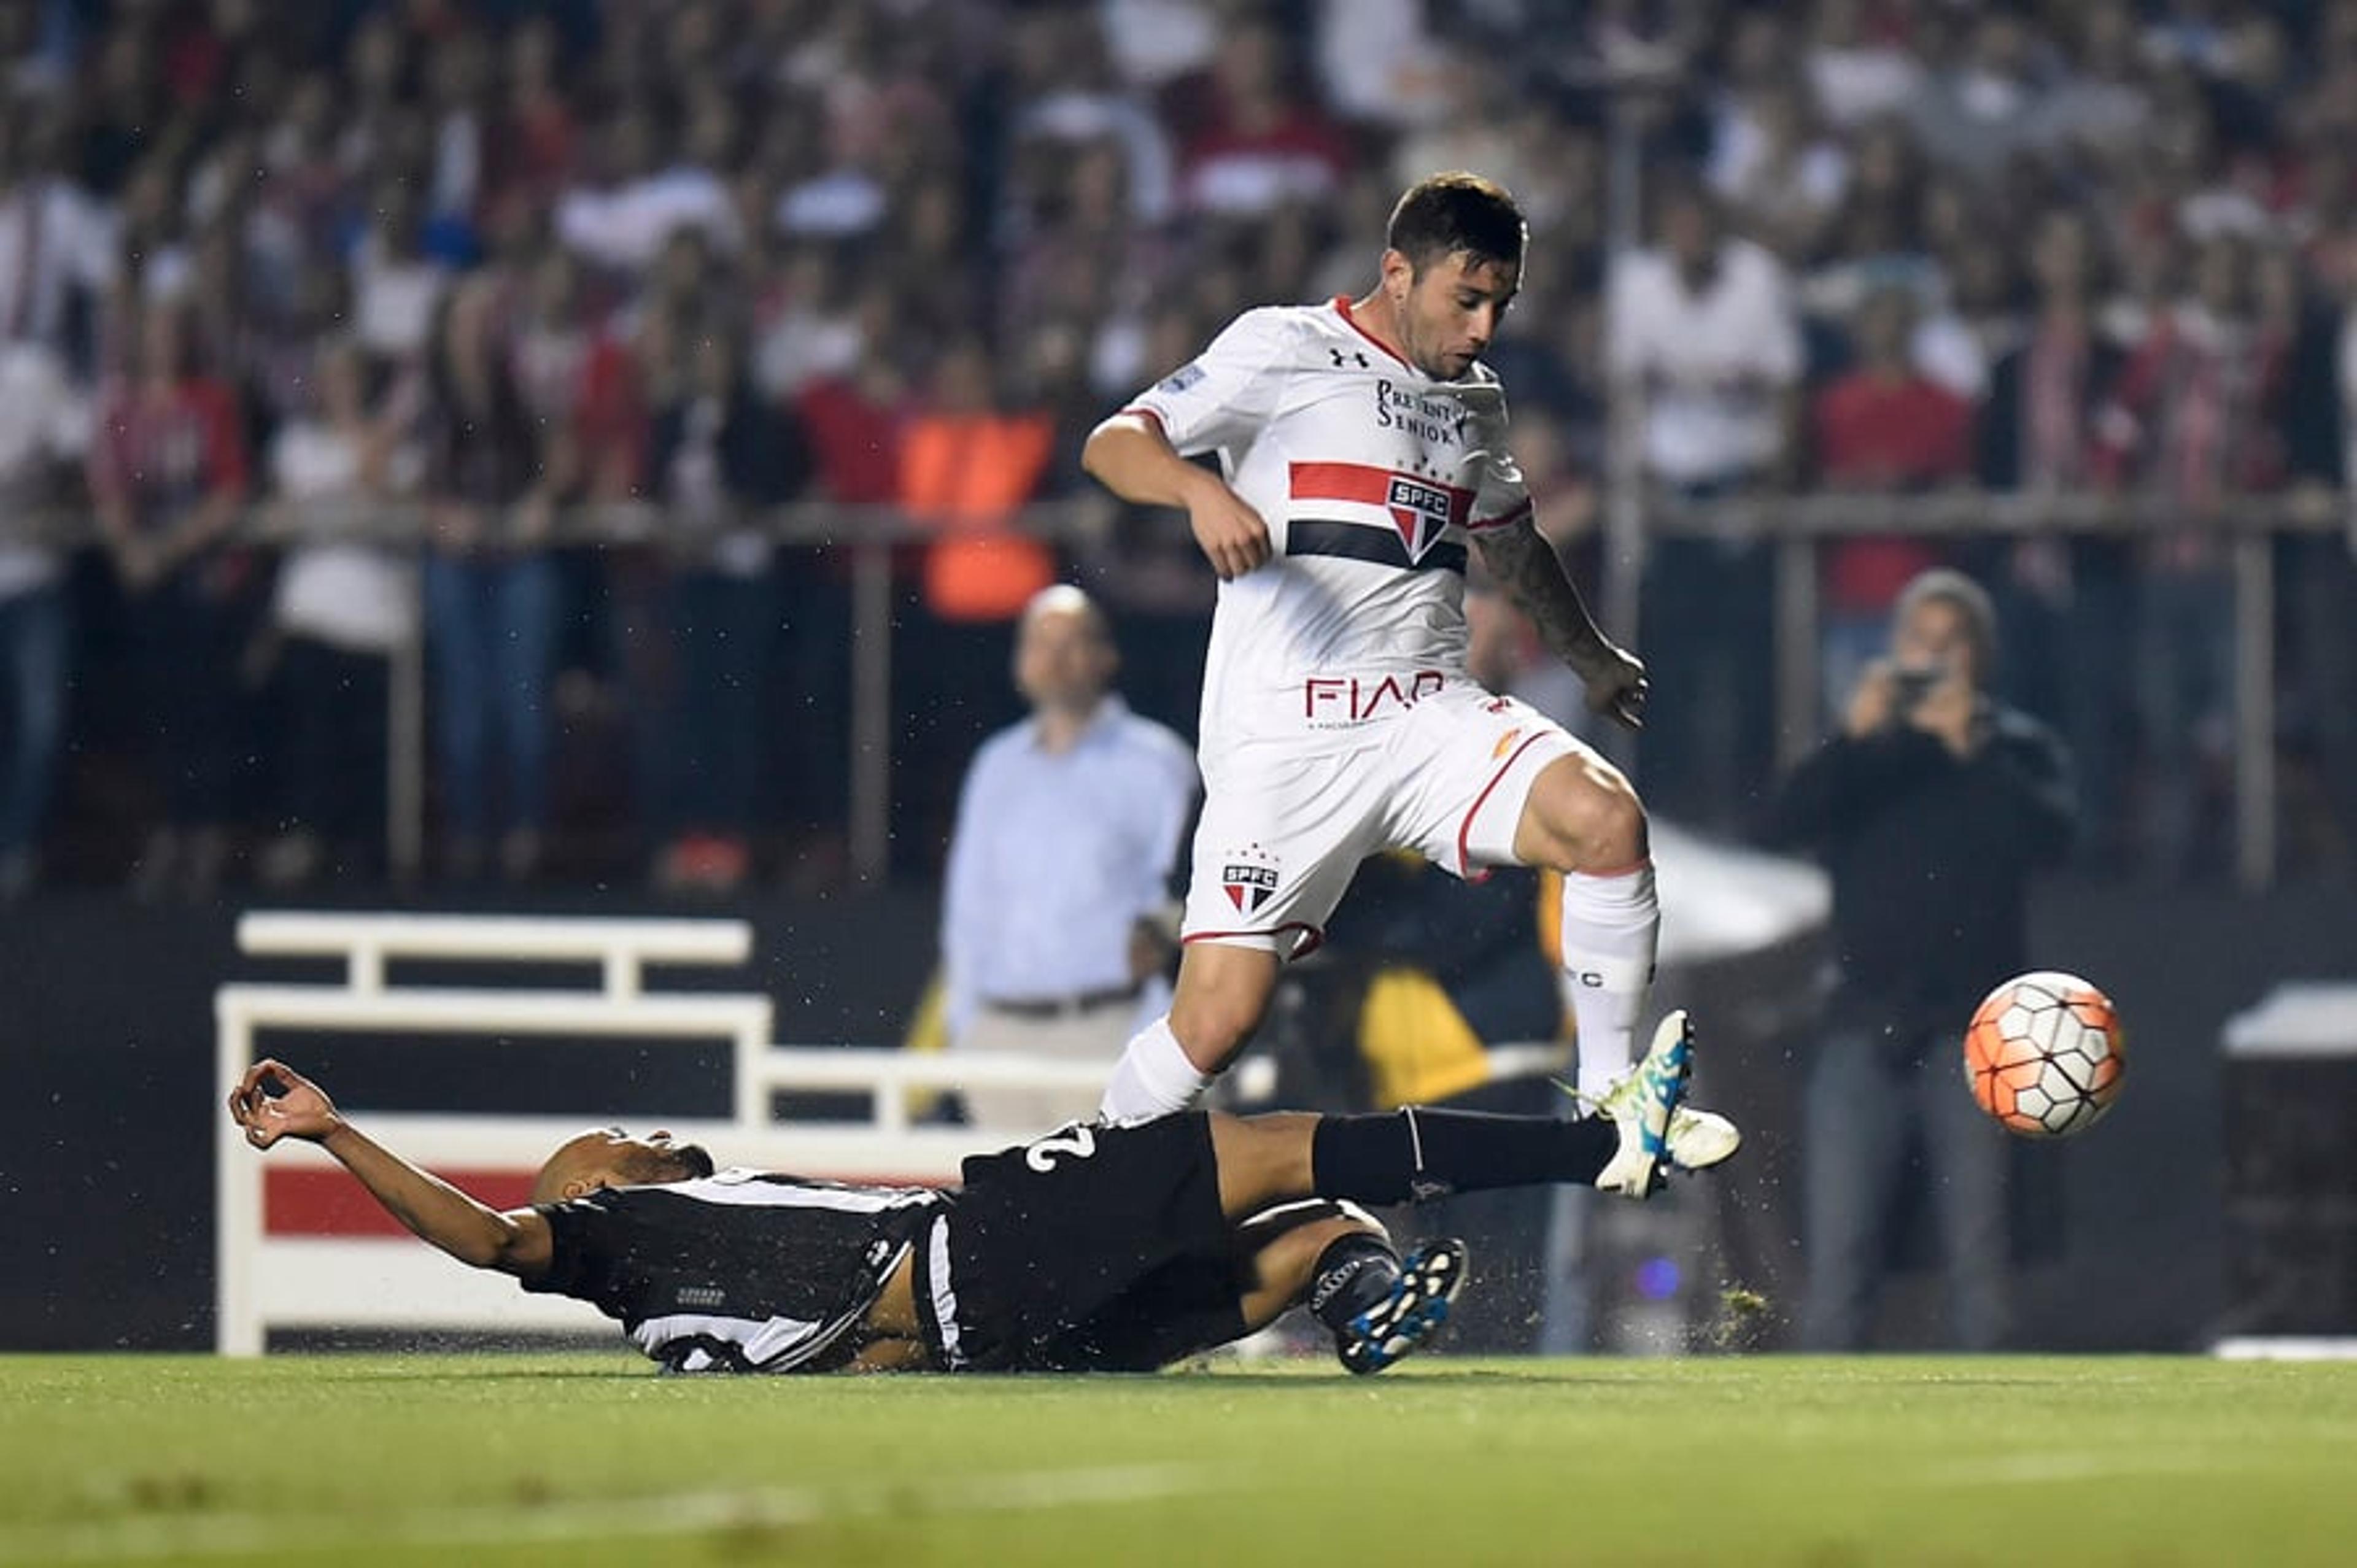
(1503, 500)
(1500, 497)
(1219, 400)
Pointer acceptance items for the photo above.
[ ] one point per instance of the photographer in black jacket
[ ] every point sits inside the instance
(1931, 809)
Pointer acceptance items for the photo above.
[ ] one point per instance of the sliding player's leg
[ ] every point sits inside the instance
(1122, 1250)
(1406, 1155)
(1338, 1261)
(1419, 1153)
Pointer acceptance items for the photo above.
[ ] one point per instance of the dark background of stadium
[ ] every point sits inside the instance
(107, 1127)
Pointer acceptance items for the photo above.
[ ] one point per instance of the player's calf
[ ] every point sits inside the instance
(1418, 1153)
(1223, 994)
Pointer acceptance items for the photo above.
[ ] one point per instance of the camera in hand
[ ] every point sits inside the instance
(1911, 683)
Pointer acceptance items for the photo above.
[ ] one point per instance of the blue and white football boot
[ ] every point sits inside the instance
(1429, 1279)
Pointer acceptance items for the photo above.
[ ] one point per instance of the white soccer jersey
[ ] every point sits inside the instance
(1371, 476)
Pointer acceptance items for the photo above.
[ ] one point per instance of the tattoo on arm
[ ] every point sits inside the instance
(1526, 566)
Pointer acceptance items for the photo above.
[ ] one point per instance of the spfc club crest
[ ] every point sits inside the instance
(1419, 511)
(1249, 878)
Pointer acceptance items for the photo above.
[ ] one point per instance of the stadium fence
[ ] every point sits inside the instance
(1798, 524)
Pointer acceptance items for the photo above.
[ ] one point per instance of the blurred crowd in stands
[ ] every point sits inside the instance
(502, 259)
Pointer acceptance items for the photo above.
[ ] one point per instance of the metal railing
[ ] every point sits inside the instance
(1796, 524)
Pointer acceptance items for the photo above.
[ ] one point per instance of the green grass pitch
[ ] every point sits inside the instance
(586, 1458)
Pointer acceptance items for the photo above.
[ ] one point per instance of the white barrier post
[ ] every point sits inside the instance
(238, 1219)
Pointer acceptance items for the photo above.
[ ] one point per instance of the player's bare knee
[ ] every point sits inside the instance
(1613, 830)
(1584, 815)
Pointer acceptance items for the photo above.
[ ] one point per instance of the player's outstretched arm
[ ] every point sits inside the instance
(1129, 456)
(1526, 566)
(483, 1237)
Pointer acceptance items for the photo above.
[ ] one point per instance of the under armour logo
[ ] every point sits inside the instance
(1357, 357)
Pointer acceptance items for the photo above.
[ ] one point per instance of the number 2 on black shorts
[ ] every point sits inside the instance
(1077, 1139)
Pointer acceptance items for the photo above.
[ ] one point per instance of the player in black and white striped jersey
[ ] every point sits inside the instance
(1091, 1248)
(727, 1270)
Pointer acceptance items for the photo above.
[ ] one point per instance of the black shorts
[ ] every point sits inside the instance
(1091, 1248)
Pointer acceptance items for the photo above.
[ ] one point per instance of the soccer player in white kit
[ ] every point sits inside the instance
(1361, 449)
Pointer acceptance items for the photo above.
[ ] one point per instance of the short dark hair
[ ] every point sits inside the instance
(1445, 214)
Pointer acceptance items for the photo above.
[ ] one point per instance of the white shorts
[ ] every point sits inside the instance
(1284, 830)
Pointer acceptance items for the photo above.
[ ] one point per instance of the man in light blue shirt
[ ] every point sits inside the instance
(1055, 924)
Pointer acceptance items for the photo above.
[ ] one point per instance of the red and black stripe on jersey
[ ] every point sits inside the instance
(1417, 509)
(1367, 541)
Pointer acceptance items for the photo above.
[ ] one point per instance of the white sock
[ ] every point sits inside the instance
(1153, 1079)
(1611, 927)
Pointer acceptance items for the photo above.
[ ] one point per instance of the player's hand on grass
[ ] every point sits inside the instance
(297, 1109)
(1616, 682)
(1233, 536)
